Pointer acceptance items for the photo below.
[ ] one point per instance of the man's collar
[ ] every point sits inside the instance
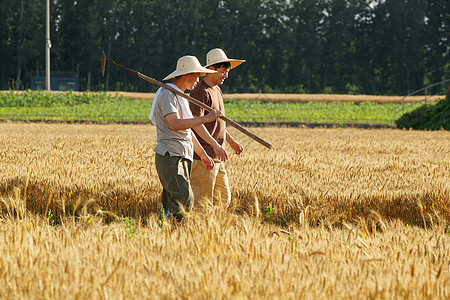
(211, 86)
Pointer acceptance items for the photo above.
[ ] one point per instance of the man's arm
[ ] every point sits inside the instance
(206, 160)
(206, 136)
(180, 124)
(233, 144)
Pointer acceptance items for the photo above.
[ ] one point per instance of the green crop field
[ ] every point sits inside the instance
(102, 107)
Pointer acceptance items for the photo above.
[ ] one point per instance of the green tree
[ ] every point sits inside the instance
(6, 54)
(436, 40)
(24, 37)
(305, 44)
(367, 46)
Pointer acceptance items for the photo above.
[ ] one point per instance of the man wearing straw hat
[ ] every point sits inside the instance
(175, 143)
(213, 185)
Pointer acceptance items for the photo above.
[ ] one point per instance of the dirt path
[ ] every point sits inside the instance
(294, 97)
(303, 97)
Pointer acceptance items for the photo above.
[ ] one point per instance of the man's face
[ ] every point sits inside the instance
(221, 75)
(193, 80)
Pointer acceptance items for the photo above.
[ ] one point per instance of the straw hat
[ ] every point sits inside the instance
(188, 64)
(217, 55)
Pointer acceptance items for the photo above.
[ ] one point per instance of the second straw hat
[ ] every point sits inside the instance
(188, 64)
(217, 55)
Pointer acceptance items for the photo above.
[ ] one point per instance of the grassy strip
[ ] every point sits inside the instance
(38, 105)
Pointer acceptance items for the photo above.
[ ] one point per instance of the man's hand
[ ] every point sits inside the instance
(221, 154)
(213, 115)
(236, 147)
(208, 162)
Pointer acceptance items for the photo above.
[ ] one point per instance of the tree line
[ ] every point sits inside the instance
(291, 46)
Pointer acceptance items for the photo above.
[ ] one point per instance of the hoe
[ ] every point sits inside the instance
(189, 98)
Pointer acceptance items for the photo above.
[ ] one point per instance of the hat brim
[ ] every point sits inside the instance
(200, 70)
(234, 62)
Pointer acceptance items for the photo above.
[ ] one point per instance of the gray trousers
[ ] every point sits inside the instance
(174, 174)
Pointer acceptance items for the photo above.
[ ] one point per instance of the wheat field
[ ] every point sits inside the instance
(327, 213)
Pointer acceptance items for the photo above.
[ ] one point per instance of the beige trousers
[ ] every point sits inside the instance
(210, 185)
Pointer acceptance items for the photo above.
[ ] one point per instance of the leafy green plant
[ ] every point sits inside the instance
(50, 218)
(161, 217)
(268, 210)
(277, 217)
(31, 98)
(130, 225)
(310, 112)
(431, 116)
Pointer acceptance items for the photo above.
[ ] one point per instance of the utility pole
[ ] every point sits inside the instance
(48, 45)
